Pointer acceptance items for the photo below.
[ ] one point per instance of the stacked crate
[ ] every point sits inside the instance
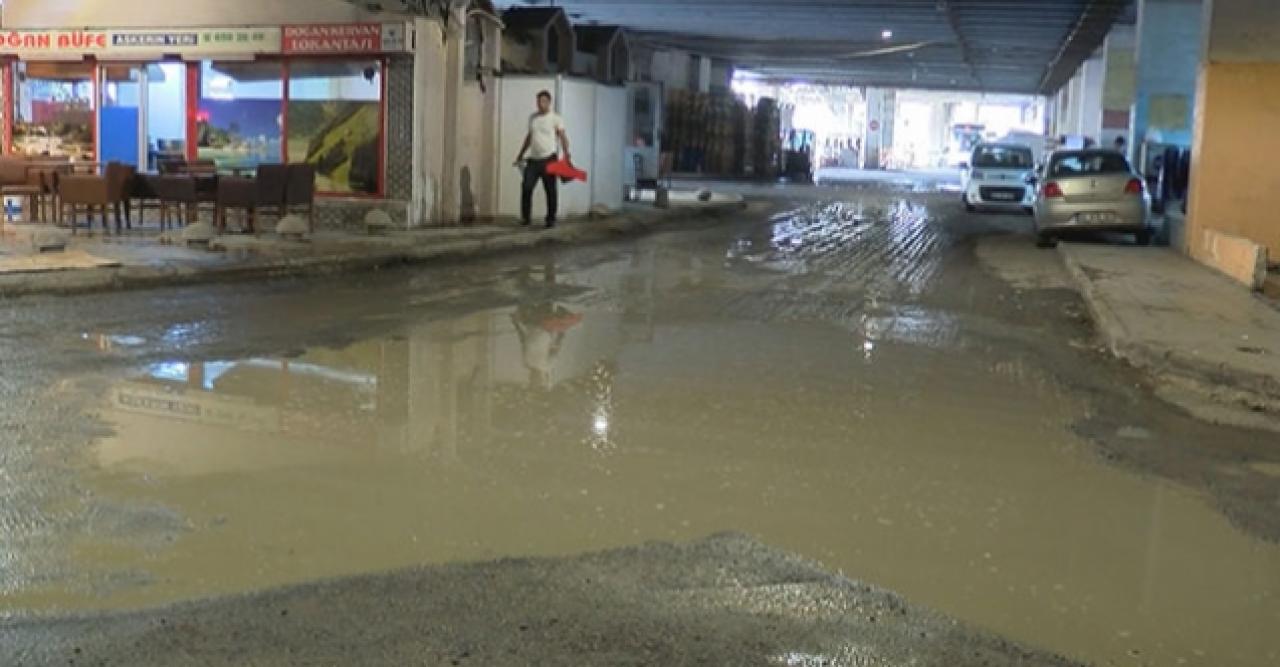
(706, 133)
(766, 139)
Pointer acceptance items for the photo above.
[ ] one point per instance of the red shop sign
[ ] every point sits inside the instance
(344, 38)
(53, 40)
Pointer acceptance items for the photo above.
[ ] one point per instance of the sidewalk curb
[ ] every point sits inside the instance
(1209, 391)
(518, 239)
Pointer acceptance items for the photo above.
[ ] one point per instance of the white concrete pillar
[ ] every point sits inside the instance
(1119, 88)
(426, 202)
(873, 143)
(1093, 75)
(701, 74)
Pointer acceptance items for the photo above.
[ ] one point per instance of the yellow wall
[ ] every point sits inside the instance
(1235, 181)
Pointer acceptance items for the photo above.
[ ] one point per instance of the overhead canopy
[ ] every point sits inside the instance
(1024, 46)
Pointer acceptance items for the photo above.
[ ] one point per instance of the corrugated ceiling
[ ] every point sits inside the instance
(993, 45)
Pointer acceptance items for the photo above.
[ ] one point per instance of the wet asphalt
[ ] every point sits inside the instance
(870, 384)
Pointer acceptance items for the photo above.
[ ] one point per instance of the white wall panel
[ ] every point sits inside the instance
(607, 167)
(576, 103)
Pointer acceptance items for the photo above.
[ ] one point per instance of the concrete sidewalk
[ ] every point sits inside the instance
(142, 259)
(1212, 346)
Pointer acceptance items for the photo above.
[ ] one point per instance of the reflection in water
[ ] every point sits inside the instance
(821, 410)
(542, 325)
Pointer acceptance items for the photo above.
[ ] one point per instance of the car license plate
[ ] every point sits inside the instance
(1003, 196)
(1094, 218)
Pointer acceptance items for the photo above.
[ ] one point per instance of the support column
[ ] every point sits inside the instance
(1119, 88)
(1093, 75)
(425, 206)
(1234, 179)
(881, 104)
(1168, 53)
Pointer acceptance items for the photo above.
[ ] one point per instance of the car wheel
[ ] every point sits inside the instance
(1142, 238)
(968, 206)
(1044, 240)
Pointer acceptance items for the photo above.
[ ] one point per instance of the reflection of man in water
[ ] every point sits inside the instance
(542, 325)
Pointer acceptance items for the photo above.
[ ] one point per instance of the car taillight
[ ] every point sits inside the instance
(1133, 187)
(1052, 190)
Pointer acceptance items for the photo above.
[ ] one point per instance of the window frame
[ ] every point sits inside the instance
(9, 100)
(383, 65)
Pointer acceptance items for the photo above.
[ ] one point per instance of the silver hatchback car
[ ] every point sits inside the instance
(1090, 191)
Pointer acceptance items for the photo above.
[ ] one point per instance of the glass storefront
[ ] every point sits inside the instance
(335, 122)
(328, 112)
(238, 121)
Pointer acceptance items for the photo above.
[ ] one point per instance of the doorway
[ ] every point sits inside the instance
(121, 119)
(144, 114)
(166, 113)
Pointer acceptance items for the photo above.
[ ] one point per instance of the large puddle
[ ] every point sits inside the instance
(891, 445)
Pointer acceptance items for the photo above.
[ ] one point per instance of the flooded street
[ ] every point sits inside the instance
(872, 379)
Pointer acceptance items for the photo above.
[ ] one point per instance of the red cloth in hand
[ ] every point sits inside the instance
(566, 171)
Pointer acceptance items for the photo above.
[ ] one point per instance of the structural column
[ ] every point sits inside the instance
(1093, 75)
(881, 107)
(1168, 54)
(1232, 223)
(1118, 90)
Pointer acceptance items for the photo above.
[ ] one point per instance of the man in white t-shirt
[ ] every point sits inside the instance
(546, 130)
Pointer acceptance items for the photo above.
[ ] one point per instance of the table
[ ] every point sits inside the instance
(31, 193)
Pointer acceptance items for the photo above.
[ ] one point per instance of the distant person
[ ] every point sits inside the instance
(1121, 144)
(546, 131)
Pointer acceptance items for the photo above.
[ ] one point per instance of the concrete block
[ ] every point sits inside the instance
(378, 221)
(1239, 258)
(49, 240)
(292, 227)
(198, 233)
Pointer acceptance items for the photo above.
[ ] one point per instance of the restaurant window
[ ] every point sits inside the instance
(53, 109)
(334, 121)
(238, 122)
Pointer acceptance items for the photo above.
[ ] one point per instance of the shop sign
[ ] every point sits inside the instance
(47, 44)
(348, 38)
(195, 406)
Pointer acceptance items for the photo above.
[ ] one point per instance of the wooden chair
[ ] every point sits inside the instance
(93, 193)
(120, 179)
(144, 195)
(264, 193)
(13, 171)
(166, 167)
(176, 192)
(300, 192)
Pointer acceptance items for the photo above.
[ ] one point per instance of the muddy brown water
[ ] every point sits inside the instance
(845, 382)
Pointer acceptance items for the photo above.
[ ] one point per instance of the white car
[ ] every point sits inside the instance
(997, 177)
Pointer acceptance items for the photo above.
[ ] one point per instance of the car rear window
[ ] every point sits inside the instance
(1088, 164)
(1002, 157)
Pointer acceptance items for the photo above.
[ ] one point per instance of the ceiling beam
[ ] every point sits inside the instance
(1086, 35)
(966, 52)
